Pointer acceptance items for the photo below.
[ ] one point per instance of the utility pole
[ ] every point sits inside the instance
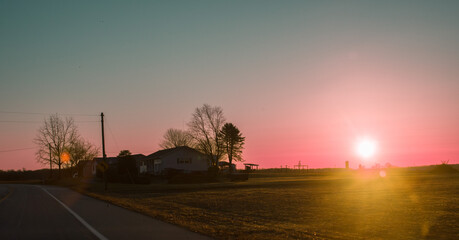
(299, 166)
(103, 149)
(50, 162)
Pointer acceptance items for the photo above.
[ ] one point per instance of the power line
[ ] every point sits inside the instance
(113, 136)
(21, 121)
(15, 121)
(29, 113)
(17, 149)
(41, 113)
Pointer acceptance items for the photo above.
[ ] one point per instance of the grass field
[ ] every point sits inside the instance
(354, 206)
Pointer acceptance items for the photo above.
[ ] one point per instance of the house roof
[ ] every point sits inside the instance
(112, 160)
(161, 153)
(138, 156)
(250, 164)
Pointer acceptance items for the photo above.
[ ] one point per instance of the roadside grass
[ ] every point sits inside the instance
(400, 206)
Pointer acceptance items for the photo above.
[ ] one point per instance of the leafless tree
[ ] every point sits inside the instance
(205, 126)
(80, 150)
(56, 135)
(177, 138)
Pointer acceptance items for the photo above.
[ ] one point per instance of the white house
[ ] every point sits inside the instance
(180, 158)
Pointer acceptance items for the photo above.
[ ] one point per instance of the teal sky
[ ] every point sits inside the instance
(301, 79)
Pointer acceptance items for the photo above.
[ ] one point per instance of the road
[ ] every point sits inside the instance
(48, 212)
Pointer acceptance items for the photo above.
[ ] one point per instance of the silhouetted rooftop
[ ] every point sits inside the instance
(161, 153)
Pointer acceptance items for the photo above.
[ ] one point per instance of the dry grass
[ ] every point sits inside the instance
(352, 207)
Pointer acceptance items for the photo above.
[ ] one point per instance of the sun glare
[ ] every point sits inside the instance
(366, 148)
(65, 157)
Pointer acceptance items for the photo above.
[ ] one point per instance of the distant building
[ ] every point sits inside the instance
(139, 160)
(86, 169)
(225, 166)
(180, 158)
(252, 166)
(113, 163)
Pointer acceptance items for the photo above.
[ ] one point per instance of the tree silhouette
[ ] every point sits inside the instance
(176, 138)
(81, 150)
(233, 142)
(55, 136)
(205, 126)
(124, 153)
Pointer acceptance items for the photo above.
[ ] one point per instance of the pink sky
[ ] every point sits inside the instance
(413, 119)
(302, 81)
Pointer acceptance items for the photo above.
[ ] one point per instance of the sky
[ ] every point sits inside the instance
(302, 80)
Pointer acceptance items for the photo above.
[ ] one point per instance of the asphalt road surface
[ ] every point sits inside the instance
(48, 212)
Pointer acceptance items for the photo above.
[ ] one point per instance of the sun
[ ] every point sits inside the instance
(65, 157)
(366, 148)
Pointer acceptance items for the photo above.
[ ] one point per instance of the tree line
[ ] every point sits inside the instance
(60, 143)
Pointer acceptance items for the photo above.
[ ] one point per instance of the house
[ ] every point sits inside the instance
(116, 162)
(112, 165)
(180, 158)
(86, 169)
(139, 160)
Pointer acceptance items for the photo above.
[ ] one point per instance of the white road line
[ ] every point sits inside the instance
(94, 231)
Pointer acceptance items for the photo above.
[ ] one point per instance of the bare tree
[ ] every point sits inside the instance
(176, 138)
(205, 126)
(56, 135)
(233, 142)
(81, 150)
